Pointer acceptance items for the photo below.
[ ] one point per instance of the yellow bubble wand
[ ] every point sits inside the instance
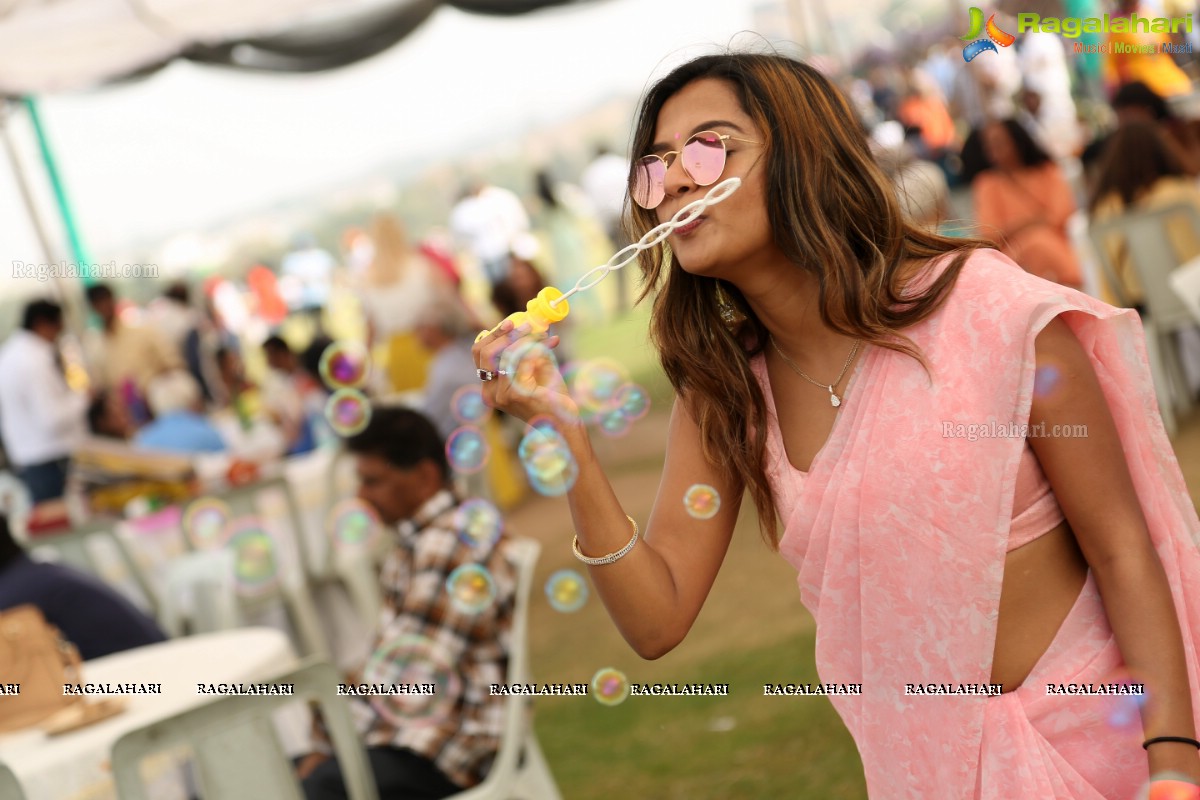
(551, 305)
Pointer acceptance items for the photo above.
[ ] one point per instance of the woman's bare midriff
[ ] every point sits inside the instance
(1042, 580)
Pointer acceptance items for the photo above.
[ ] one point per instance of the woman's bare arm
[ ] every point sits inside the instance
(1091, 480)
(655, 592)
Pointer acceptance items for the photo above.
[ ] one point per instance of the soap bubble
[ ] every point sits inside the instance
(547, 459)
(412, 661)
(345, 365)
(471, 588)
(348, 411)
(1124, 711)
(595, 386)
(468, 407)
(702, 501)
(1046, 379)
(1169, 786)
(467, 450)
(567, 591)
(528, 365)
(610, 686)
(614, 423)
(353, 524)
(633, 401)
(205, 523)
(256, 561)
(478, 523)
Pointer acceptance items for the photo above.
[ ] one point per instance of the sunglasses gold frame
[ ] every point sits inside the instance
(721, 137)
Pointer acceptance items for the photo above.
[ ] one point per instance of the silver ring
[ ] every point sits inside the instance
(502, 372)
(485, 374)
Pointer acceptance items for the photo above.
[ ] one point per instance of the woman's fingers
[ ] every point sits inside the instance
(482, 343)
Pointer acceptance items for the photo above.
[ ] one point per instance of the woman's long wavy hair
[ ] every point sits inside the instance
(833, 213)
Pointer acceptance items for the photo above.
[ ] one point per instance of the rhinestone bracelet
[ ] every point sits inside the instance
(611, 557)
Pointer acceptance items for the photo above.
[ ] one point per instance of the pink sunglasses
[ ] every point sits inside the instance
(703, 161)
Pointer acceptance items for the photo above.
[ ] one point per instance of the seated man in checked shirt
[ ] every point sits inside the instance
(419, 745)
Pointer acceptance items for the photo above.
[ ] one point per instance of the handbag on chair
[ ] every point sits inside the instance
(36, 661)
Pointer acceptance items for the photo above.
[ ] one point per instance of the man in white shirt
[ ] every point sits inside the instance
(41, 420)
(605, 182)
(485, 221)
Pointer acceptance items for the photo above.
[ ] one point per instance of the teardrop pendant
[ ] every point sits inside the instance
(834, 400)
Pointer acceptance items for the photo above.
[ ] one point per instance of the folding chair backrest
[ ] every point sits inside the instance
(255, 500)
(1147, 244)
(237, 753)
(10, 789)
(524, 554)
(199, 587)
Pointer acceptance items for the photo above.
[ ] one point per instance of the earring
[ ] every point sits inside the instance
(729, 313)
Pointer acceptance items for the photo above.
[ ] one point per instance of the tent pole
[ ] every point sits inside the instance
(18, 170)
(60, 192)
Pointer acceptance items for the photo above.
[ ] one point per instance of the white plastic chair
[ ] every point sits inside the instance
(199, 594)
(293, 588)
(10, 788)
(519, 770)
(1146, 242)
(237, 752)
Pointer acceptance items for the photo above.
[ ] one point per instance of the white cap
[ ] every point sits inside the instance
(172, 391)
(525, 246)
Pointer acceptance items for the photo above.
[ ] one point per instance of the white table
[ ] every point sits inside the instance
(75, 766)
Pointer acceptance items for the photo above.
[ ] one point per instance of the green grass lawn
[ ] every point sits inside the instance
(683, 747)
(752, 630)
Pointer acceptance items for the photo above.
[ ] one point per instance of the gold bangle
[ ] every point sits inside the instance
(611, 557)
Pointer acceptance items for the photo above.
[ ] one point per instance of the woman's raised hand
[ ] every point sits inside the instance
(526, 381)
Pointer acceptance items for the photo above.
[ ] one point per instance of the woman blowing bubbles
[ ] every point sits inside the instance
(818, 344)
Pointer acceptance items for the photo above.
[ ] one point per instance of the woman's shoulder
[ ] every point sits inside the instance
(988, 284)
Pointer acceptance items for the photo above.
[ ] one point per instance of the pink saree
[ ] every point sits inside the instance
(899, 535)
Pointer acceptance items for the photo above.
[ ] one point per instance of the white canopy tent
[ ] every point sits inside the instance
(49, 46)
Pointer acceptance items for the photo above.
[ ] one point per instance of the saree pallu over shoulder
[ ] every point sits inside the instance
(899, 530)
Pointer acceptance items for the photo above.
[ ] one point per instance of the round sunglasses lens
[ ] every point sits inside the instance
(704, 158)
(649, 175)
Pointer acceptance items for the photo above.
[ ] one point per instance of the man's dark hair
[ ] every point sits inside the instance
(97, 292)
(401, 437)
(1138, 95)
(178, 292)
(9, 549)
(310, 359)
(276, 344)
(96, 411)
(41, 311)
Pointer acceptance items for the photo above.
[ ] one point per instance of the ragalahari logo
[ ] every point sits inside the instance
(994, 34)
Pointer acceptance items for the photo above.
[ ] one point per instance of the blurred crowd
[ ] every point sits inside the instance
(236, 371)
(1025, 145)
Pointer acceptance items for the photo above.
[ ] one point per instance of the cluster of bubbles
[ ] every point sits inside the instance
(467, 449)
(610, 687)
(256, 559)
(412, 660)
(478, 523)
(354, 525)
(471, 589)
(702, 501)
(605, 396)
(345, 367)
(206, 523)
(567, 591)
(547, 459)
